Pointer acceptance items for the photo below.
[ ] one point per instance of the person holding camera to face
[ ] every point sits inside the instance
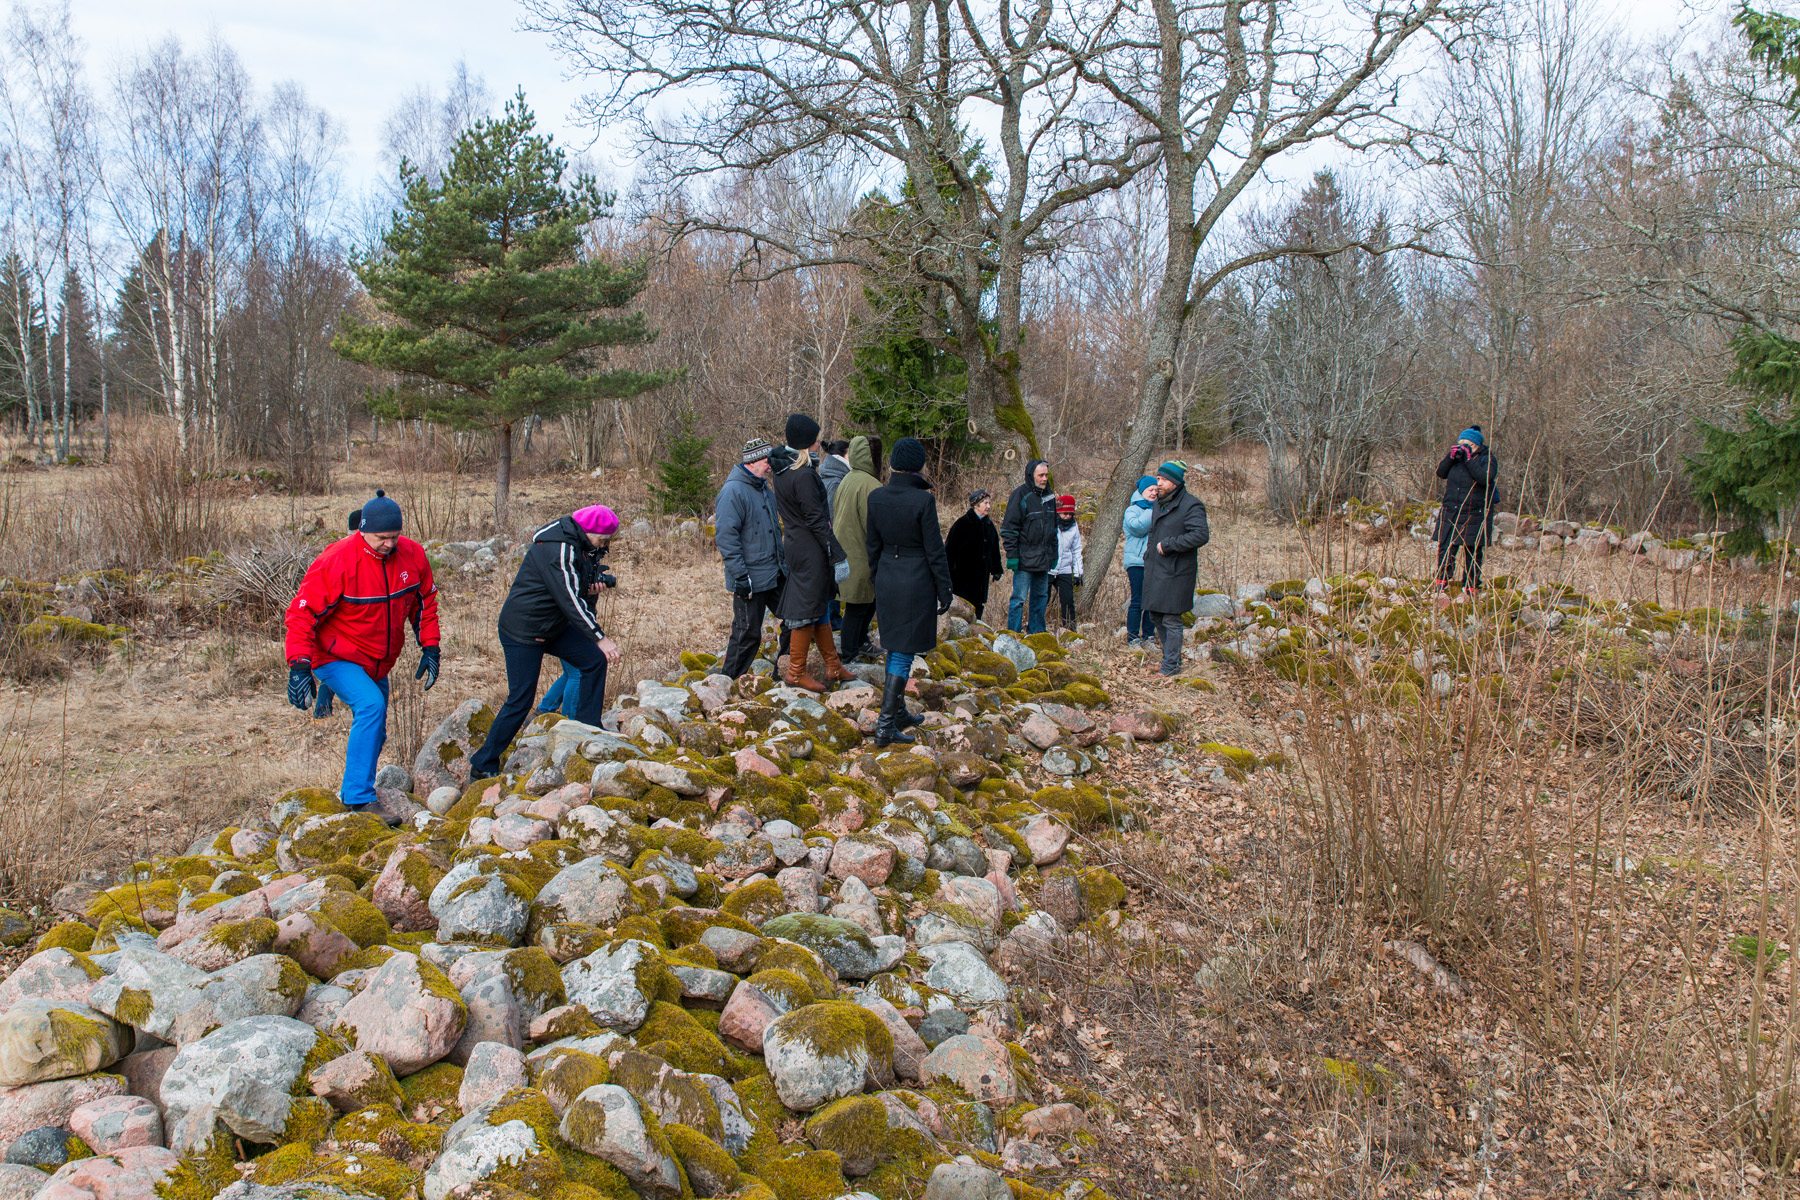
(550, 611)
(1467, 517)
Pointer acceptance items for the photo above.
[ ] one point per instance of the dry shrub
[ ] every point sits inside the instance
(47, 822)
(431, 481)
(163, 507)
(254, 584)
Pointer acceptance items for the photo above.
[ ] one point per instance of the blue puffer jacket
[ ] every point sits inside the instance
(1138, 515)
(747, 530)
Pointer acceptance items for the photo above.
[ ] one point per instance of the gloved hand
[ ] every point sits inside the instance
(841, 571)
(943, 605)
(1078, 581)
(428, 666)
(1459, 454)
(741, 589)
(302, 687)
(1012, 564)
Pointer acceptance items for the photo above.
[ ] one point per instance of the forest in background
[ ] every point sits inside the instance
(1540, 224)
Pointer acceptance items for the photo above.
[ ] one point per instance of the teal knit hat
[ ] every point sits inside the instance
(1174, 472)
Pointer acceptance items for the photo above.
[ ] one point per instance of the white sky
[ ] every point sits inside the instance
(359, 58)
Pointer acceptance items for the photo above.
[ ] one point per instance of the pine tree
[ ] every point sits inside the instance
(492, 305)
(75, 327)
(21, 342)
(687, 476)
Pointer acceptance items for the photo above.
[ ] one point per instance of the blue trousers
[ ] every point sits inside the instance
(523, 665)
(565, 693)
(1036, 585)
(899, 663)
(1135, 625)
(368, 701)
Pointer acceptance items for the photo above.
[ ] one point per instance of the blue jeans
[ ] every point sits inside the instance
(368, 701)
(899, 663)
(565, 693)
(1135, 625)
(1037, 584)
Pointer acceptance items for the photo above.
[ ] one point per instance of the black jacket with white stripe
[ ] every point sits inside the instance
(550, 593)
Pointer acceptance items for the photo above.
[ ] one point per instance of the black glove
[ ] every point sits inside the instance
(428, 666)
(943, 606)
(1078, 581)
(741, 589)
(302, 688)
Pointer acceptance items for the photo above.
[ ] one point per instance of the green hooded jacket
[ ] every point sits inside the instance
(850, 521)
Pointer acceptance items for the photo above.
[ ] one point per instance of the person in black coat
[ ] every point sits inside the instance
(549, 610)
(1466, 519)
(911, 576)
(973, 549)
(1171, 559)
(815, 561)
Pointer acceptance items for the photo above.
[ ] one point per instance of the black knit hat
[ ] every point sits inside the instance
(908, 455)
(802, 431)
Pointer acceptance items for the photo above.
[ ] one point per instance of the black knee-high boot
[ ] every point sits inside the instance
(893, 701)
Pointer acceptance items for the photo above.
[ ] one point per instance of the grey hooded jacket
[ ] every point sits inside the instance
(747, 528)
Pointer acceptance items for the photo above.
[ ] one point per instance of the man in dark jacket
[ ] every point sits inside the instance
(548, 612)
(911, 578)
(1171, 562)
(1029, 532)
(748, 532)
(1467, 517)
(973, 548)
(832, 469)
(815, 561)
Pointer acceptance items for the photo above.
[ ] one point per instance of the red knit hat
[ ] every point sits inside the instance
(1065, 505)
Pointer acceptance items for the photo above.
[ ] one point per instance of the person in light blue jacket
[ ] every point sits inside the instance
(1138, 515)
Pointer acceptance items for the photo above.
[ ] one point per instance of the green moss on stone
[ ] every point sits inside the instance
(70, 935)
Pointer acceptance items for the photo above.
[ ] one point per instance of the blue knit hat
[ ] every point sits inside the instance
(1174, 472)
(1472, 434)
(380, 515)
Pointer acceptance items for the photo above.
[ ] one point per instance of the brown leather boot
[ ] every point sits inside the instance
(834, 669)
(798, 645)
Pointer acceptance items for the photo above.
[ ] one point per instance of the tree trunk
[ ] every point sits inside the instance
(502, 475)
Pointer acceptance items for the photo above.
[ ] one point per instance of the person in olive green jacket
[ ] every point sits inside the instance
(850, 522)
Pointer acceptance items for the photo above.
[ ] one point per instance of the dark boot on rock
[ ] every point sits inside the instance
(888, 730)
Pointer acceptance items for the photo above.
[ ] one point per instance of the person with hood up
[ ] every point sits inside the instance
(1137, 537)
(911, 579)
(1029, 533)
(747, 530)
(815, 560)
(850, 524)
(1171, 559)
(1466, 519)
(973, 548)
(547, 612)
(833, 467)
(346, 627)
(1067, 576)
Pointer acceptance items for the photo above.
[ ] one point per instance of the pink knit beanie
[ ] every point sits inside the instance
(597, 519)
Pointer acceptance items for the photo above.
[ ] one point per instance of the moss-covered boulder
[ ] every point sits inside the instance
(827, 1051)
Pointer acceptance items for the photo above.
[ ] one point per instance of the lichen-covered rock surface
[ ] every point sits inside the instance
(721, 945)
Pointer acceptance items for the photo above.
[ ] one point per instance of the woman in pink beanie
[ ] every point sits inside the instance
(550, 611)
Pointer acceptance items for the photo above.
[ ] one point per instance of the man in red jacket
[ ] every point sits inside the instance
(347, 625)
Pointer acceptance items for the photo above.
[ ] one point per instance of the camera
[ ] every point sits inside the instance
(607, 579)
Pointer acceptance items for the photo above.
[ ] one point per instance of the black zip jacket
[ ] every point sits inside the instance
(550, 592)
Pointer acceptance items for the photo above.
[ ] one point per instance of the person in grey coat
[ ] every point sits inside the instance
(1171, 559)
(748, 533)
(832, 469)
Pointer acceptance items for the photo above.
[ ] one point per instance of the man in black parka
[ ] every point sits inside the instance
(1171, 560)
(1467, 516)
(1029, 532)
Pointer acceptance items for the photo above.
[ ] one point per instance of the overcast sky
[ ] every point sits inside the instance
(359, 58)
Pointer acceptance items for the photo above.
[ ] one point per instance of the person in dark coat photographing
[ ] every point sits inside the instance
(973, 548)
(815, 561)
(747, 530)
(1171, 559)
(1466, 519)
(911, 577)
(547, 611)
(1029, 532)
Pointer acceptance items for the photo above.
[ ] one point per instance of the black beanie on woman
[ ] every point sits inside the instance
(908, 455)
(802, 431)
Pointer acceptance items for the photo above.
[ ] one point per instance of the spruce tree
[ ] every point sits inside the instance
(493, 308)
(687, 477)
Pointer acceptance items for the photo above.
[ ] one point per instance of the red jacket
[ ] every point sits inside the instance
(354, 606)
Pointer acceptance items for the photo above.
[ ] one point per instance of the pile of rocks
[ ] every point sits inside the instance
(1515, 532)
(473, 558)
(719, 946)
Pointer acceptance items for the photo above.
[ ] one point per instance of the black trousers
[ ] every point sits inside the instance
(855, 634)
(746, 630)
(1065, 593)
(1447, 547)
(523, 664)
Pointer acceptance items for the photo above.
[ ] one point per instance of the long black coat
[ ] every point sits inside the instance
(973, 549)
(807, 543)
(1467, 517)
(1179, 525)
(907, 563)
